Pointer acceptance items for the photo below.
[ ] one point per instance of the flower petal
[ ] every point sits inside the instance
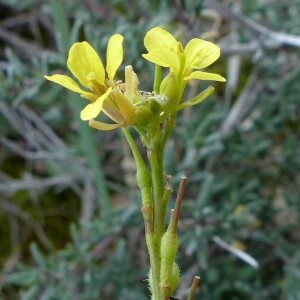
(83, 61)
(103, 126)
(200, 53)
(92, 110)
(164, 58)
(205, 76)
(114, 55)
(162, 47)
(158, 39)
(68, 83)
(199, 98)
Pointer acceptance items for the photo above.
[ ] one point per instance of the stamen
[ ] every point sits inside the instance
(135, 81)
(94, 85)
(94, 89)
(180, 49)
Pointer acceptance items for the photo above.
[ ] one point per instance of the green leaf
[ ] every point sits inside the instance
(30, 293)
(37, 255)
(24, 278)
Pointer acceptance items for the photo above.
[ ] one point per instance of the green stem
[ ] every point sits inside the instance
(140, 164)
(157, 187)
(164, 203)
(143, 136)
(157, 79)
(157, 192)
(169, 125)
(144, 183)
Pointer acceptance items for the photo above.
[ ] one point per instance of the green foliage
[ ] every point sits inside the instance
(243, 186)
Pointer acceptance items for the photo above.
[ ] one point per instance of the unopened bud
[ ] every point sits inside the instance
(142, 115)
(169, 88)
(155, 107)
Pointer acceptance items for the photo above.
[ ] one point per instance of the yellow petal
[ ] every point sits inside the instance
(161, 46)
(68, 83)
(164, 58)
(205, 76)
(158, 38)
(92, 110)
(200, 53)
(114, 55)
(84, 63)
(103, 126)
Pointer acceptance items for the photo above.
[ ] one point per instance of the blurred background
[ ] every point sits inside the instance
(70, 221)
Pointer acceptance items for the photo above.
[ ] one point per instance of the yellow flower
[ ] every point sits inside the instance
(166, 51)
(184, 63)
(105, 95)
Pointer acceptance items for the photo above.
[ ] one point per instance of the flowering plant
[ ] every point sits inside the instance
(152, 114)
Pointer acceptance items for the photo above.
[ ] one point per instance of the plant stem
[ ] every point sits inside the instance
(195, 283)
(140, 164)
(167, 192)
(154, 203)
(144, 183)
(157, 188)
(169, 125)
(157, 192)
(157, 79)
(178, 201)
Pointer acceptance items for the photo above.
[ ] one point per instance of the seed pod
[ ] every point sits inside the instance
(174, 277)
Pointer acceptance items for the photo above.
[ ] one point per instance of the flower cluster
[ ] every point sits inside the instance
(122, 102)
(184, 64)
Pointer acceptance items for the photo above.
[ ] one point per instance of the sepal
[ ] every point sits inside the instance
(199, 98)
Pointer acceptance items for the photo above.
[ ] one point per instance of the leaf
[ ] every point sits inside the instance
(37, 255)
(24, 278)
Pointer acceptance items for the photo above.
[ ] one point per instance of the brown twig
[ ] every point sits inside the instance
(194, 286)
(175, 214)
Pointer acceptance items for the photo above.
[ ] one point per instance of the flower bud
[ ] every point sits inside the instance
(142, 115)
(155, 107)
(169, 88)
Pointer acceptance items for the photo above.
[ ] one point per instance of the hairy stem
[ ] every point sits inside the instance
(145, 182)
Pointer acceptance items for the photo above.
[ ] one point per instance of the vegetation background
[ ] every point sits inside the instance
(70, 221)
